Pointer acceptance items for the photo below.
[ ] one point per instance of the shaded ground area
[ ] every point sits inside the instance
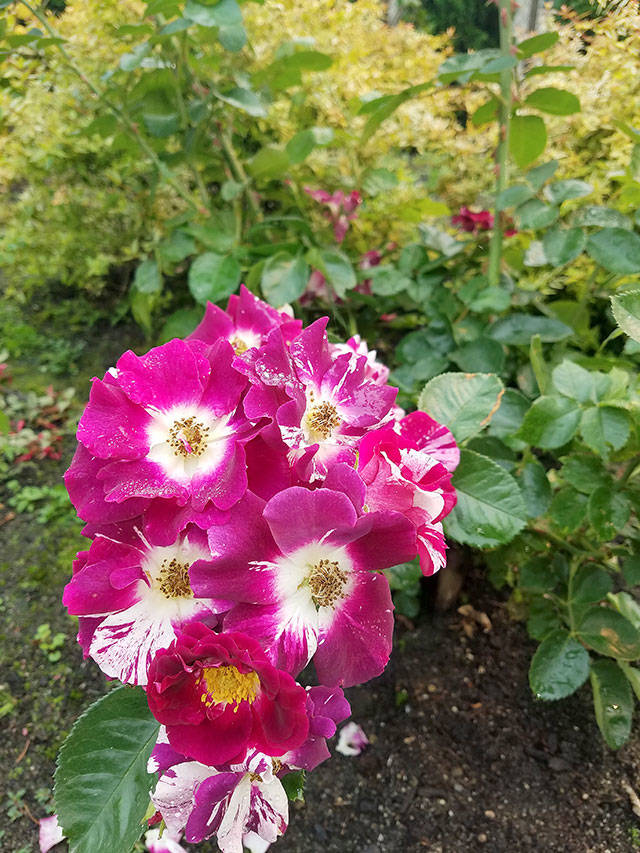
(469, 761)
(462, 758)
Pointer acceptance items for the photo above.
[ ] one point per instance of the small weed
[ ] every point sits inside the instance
(634, 835)
(48, 503)
(15, 804)
(50, 644)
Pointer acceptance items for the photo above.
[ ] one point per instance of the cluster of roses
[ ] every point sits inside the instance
(242, 489)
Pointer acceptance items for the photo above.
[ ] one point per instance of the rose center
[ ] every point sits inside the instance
(239, 346)
(188, 437)
(173, 579)
(321, 420)
(225, 685)
(327, 582)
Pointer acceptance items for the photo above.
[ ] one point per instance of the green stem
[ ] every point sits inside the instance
(575, 564)
(628, 471)
(502, 151)
(129, 126)
(238, 172)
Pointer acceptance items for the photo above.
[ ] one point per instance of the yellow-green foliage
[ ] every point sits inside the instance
(72, 207)
(368, 57)
(606, 79)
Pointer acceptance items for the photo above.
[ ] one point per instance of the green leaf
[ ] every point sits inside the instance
(177, 247)
(631, 569)
(513, 196)
(536, 44)
(613, 702)
(284, 278)
(560, 191)
(518, 329)
(535, 488)
(616, 249)
(142, 305)
(563, 245)
(293, 784)
(387, 280)
(604, 428)
(337, 269)
(557, 102)
(484, 355)
(539, 365)
(268, 163)
(608, 512)
(101, 783)
(633, 676)
(302, 144)
(527, 140)
(147, 278)
(584, 472)
(508, 419)
(180, 324)
(131, 61)
(379, 109)
(243, 99)
(378, 181)
(486, 112)
(626, 310)
(537, 70)
(543, 619)
(221, 14)
(590, 585)
(609, 633)
(464, 402)
(628, 606)
(593, 215)
(490, 510)
(550, 422)
(540, 174)
(568, 509)
(574, 381)
(213, 277)
(4, 423)
(559, 666)
(536, 214)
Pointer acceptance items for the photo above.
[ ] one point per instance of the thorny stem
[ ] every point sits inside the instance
(502, 152)
(130, 126)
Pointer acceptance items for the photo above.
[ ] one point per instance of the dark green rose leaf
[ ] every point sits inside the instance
(527, 140)
(616, 249)
(613, 702)
(518, 329)
(490, 510)
(605, 428)
(464, 402)
(213, 277)
(559, 666)
(550, 422)
(535, 488)
(626, 310)
(608, 512)
(557, 102)
(608, 632)
(562, 245)
(101, 785)
(284, 278)
(561, 191)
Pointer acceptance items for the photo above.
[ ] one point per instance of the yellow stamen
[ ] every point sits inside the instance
(226, 685)
(173, 579)
(321, 420)
(327, 581)
(188, 437)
